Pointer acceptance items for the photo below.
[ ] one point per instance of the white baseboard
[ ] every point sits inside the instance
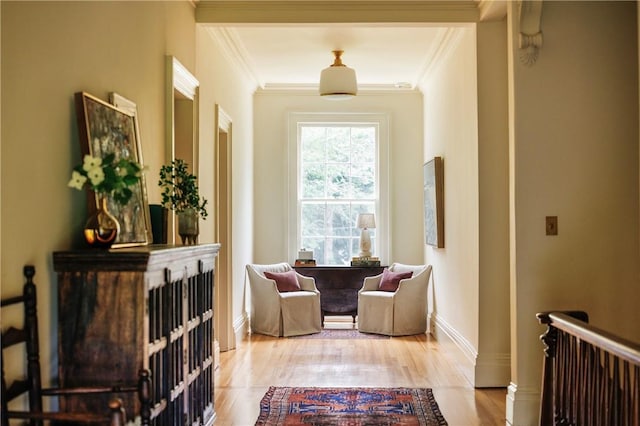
(455, 345)
(493, 370)
(482, 370)
(241, 327)
(216, 354)
(523, 406)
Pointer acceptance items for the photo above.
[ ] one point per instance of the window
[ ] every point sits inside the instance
(337, 175)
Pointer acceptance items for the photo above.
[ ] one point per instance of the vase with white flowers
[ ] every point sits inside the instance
(107, 177)
(180, 193)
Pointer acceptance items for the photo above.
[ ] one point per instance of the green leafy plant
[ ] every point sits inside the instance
(107, 176)
(179, 189)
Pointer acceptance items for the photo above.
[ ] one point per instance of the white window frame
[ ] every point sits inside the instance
(381, 120)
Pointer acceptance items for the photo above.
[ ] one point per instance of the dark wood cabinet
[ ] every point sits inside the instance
(338, 286)
(148, 307)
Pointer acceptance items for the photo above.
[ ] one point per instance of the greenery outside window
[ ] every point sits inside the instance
(337, 176)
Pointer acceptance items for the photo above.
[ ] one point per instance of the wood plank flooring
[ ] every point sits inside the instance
(260, 361)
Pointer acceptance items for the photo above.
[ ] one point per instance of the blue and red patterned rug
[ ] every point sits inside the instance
(349, 407)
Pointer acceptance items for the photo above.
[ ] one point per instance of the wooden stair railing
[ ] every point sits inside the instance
(590, 377)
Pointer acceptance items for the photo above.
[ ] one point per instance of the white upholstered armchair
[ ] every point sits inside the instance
(395, 313)
(290, 312)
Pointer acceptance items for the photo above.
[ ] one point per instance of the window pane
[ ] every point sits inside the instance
(338, 251)
(313, 144)
(338, 144)
(317, 245)
(338, 181)
(363, 144)
(313, 180)
(339, 221)
(363, 180)
(338, 178)
(312, 221)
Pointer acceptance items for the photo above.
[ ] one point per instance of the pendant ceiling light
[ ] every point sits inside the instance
(338, 81)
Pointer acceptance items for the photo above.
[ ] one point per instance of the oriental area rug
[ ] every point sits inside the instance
(349, 407)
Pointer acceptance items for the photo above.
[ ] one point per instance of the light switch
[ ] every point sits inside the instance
(551, 225)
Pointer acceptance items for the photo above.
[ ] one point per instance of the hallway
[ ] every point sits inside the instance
(260, 361)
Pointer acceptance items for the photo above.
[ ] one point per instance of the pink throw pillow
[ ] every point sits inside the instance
(285, 281)
(391, 280)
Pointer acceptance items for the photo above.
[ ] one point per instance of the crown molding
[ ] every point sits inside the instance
(234, 51)
(334, 11)
(449, 39)
(313, 88)
(313, 91)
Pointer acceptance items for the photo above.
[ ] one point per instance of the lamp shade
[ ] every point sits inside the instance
(366, 221)
(338, 81)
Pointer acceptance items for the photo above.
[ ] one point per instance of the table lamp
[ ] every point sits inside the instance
(365, 222)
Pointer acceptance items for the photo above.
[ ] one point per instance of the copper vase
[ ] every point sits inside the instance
(102, 228)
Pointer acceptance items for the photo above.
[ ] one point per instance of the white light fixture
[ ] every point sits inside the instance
(338, 81)
(365, 222)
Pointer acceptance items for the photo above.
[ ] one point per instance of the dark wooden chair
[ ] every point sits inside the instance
(31, 386)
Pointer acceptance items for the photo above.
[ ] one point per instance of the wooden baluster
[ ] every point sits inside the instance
(635, 400)
(560, 378)
(606, 387)
(615, 408)
(573, 366)
(560, 362)
(626, 394)
(589, 378)
(563, 409)
(580, 382)
(599, 394)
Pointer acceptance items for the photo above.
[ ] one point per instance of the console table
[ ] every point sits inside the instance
(148, 307)
(338, 286)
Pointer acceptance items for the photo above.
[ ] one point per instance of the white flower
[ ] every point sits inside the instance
(122, 171)
(77, 180)
(96, 175)
(91, 163)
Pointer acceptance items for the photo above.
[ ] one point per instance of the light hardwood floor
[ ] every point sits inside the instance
(260, 361)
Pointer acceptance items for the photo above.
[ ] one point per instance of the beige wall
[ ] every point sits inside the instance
(466, 124)
(224, 84)
(574, 149)
(451, 131)
(271, 168)
(51, 50)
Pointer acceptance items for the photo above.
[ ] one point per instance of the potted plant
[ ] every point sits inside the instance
(180, 194)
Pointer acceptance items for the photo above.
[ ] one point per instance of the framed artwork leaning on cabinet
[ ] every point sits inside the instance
(105, 129)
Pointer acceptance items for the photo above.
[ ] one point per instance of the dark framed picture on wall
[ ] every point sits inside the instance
(104, 129)
(434, 202)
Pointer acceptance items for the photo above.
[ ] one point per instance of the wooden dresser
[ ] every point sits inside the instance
(148, 307)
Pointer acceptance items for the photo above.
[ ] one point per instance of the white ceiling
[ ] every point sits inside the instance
(279, 57)
(280, 45)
